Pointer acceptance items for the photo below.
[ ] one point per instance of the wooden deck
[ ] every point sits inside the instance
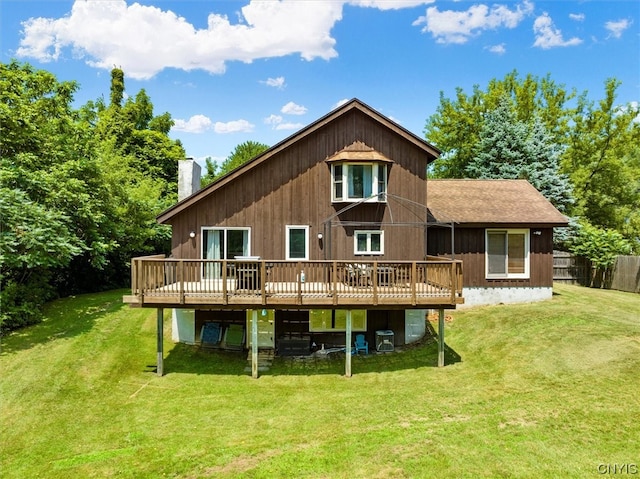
(166, 282)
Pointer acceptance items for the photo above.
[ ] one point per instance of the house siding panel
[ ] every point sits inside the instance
(470, 248)
(294, 187)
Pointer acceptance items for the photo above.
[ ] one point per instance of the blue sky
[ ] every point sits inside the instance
(238, 70)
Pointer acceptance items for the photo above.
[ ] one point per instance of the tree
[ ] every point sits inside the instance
(601, 246)
(603, 162)
(46, 164)
(512, 149)
(239, 156)
(80, 189)
(455, 127)
(211, 172)
(33, 241)
(140, 134)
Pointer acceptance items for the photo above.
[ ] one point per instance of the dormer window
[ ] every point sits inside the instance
(358, 173)
(359, 181)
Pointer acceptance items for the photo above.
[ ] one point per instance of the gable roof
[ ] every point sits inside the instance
(351, 105)
(491, 202)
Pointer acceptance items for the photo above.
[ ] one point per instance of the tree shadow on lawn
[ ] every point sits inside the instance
(64, 318)
(188, 359)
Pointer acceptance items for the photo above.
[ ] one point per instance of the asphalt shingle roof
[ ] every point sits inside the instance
(491, 202)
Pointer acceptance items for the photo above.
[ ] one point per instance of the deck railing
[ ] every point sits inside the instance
(158, 280)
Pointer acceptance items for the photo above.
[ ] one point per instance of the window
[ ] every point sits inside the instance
(297, 243)
(507, 253)
(368, 242)
(223, 243)
(336, 320)
(353, 182)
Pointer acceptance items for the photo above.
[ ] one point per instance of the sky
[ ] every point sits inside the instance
(231, 71)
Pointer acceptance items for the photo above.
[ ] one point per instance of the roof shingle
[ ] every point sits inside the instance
(491, 202)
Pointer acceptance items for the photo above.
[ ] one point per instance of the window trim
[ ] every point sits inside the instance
(368, 250)
(527, 253)
(287, 251)
(376, 195)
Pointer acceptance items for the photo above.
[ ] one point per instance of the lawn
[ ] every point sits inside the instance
(539, 390)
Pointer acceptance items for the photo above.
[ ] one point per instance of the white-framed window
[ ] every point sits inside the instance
(351, 182)
(368, 242)
(225, 243)
(507, 253)
(297, 242)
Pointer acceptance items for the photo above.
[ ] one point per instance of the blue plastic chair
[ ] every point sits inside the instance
(361, 344)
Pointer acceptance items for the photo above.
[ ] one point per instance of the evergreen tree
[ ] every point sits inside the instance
(512, 149)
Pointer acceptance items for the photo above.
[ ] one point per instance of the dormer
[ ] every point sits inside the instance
(359, 174)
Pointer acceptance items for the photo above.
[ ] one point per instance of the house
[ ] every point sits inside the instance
(503, 235)
(331, 233)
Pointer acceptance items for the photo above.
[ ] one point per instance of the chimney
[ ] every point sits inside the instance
(188, 178)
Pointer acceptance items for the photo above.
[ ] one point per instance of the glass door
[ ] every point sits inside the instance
(223, 243)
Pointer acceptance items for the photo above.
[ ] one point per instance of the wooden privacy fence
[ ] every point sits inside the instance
(626, 274)
(623, 276)
(571, 269)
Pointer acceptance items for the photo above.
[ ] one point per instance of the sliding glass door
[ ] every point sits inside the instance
(223, 243)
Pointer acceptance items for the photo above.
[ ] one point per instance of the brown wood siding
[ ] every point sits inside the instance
(294, 188)
(470, 248)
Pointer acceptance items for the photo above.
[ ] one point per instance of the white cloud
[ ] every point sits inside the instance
(273, 120)
(617, 28)
(633, 107)
(143, 40)
(195, 124)
(449, 26)
(289, 126)
(202, 123)
(292, 109)
(340, 103)
(275, 82)
(389, 4)
(497, 49)
(236, 126)
(578, 17)
(276, 122)
(548, 36)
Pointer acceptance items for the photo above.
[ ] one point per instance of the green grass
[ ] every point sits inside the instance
(539, 390)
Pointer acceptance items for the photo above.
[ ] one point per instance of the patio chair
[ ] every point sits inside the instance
(210, 334)
(361, 344)
(358, 275)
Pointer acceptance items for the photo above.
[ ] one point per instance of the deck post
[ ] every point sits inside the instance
(160, 331)
(440, 337)
(347, 349)
(254, 343)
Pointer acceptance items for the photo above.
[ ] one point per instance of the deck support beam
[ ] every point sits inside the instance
(254, 343)
(440, 337)
(160, 348)
(347, 348)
